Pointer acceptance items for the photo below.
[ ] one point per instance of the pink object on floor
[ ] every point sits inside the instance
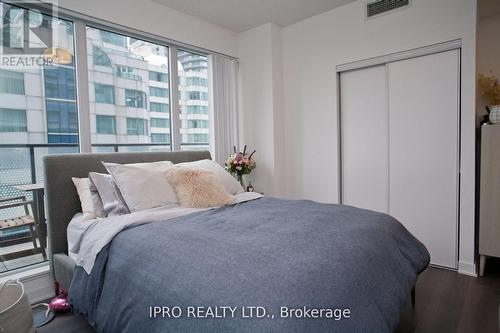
(60, 302)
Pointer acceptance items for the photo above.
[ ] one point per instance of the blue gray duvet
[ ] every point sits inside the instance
(277, 255)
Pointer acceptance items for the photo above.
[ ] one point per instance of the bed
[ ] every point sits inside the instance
(260, 265)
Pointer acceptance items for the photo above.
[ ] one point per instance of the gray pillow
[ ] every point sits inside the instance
(96, 200)
(112, 200)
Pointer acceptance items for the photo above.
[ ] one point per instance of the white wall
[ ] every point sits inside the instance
(310, 51)
(488, 51)
(260, 105)
(154, 18)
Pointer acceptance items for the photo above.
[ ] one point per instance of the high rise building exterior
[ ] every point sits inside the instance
(129, 96)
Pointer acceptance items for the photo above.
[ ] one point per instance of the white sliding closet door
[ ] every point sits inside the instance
(423, 150)
(364, 138)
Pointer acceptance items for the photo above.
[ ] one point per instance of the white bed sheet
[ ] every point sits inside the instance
(87, 237)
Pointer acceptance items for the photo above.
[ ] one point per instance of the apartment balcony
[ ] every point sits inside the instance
(23, 164)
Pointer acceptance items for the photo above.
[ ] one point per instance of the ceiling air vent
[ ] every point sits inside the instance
(382, 6)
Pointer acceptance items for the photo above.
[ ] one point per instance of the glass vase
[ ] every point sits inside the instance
(240, 179)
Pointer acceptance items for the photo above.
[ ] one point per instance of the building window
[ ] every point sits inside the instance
(197, 109)
(158, 92)
(197, 123)
(11, 82)
(160, 138)
(104, 93)
(112, 38)
(158, 76)
(135, 98)
(158, 107)
(197, 138)
(62, 138)
(105, 124)
(12, 120)
(197, 95)
(61, 117)
(197, 81)
(159, 122)
(127, 72)
(60, 82)
(100, 57)
(137, 126)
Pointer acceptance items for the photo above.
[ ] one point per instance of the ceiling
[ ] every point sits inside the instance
(241, 15)
(488, 8)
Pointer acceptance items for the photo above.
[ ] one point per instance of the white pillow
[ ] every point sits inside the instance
(230, 183)
(143, 185)
(88, 200)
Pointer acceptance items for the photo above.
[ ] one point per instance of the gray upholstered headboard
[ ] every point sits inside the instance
(62, 201)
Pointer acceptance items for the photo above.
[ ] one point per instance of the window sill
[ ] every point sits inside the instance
(26, 272)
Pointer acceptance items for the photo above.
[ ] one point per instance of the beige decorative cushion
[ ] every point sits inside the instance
(231, 185)
(197, 188)
(83, 188)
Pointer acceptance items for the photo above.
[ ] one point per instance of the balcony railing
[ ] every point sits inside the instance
(22, 164)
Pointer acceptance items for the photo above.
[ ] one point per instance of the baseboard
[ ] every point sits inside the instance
(39, 287)
(467, 268)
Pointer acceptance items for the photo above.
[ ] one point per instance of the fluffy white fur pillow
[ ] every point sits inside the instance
(197, 188)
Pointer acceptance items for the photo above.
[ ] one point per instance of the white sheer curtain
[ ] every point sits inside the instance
(223, 76)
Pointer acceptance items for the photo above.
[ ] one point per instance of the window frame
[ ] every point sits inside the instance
(21, 78)
(82, 65)
(139, 95)
(113, 122)
(23, 128)
(103, 85)
(158, 89)
(141, 130)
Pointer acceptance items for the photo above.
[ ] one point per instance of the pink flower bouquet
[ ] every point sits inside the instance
(239, 163)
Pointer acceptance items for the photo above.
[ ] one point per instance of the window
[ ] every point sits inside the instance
(197, 81)
(193, 100)
(198, 124)
(12, 120)
(105, 124)
(100, 57)
(104, 93)
(197, 95)
(198, 138)
(157, 76)
(159, 122)
(112, 38)
(39, 105)
(127, 72)
(197, 109)
(159, 92)
(135, 98)
(160, 138)
(158, 107)
(137, 126)
(140, 68)
(62, 121)
(60, 82)
(11, 82)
